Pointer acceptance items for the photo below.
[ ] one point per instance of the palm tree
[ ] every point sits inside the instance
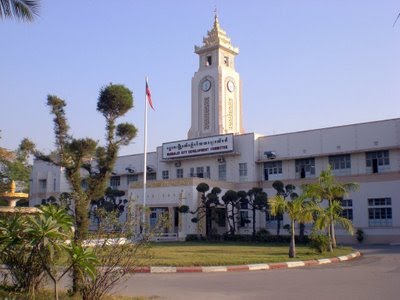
(24, 10)
(297, 209)
(327, 188)
(333, 213)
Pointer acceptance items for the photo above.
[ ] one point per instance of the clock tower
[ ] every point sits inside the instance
(216, 87)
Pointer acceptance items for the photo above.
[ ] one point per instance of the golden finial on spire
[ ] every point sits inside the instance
(216, 22)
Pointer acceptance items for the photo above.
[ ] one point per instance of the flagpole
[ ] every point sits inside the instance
(145, 160)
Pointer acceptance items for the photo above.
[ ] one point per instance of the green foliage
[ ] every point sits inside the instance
(202, 187)
(24, 10)
(78, 154)
(111, 202)
(26, 271)
(183, 209)
(30, 246)
(286, 227)
(256, 199)
(231, 201)
(115, 254)
(285, 192)
(114, 101)
(204, 209)
(262, 235)
(319, 242)
(126, 132)
(14, 165)
(360, 235)
(297, 209)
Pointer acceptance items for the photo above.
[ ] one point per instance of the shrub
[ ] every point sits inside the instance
(194, 237)
(360, 235)
(262, 235)
(320, 242)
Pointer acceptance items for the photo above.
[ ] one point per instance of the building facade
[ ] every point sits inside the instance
(218, 152)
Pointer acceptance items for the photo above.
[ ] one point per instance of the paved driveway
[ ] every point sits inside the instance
(376, 275)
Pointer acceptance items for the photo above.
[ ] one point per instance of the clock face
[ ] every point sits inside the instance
(231, 86)
(206, 85)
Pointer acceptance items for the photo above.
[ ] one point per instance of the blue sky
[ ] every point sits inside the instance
(304, 64)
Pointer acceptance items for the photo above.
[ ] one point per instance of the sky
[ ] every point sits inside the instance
(304, 64)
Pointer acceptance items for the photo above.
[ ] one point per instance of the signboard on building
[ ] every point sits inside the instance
(201, 146)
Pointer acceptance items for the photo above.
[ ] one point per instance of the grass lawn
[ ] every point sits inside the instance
(234, 253)
(9, 293)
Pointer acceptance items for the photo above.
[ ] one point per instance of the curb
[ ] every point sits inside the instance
(240, 268)
(251, 267)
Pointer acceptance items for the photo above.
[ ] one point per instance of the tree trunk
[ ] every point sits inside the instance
(82, 221)
(55, 290)
(330, 239)
(332, 227)
(208, 223)
(292, 248)
(77, 280)
(254, 222)
(278, 225)
(333, 234)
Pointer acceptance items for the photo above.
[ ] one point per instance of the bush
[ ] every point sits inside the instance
(262, 235)
(194, 237)
(360, 235)
(319, 242)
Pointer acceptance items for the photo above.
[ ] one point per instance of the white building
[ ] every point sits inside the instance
(219, 153)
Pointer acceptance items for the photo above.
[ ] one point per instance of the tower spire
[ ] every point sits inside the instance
(216, 22)
(216, 37)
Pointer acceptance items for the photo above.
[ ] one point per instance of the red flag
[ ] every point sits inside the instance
(148, 95)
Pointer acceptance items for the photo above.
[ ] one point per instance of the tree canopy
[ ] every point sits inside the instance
(24, 10)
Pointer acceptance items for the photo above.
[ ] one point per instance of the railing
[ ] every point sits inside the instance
(165, 237)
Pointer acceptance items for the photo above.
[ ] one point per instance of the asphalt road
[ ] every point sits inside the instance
(375, 275)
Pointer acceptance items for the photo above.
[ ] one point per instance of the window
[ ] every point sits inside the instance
(347, 206)
(244, 218)
(179, 173)
(132, 178)
(165, 174)
(151, 176)
(208, 172)
(377, 161)
(226, 61)
(242, 172)
(244, 204)
(340, 164)
(222, 172)
(209, 60)
(380, 212)
(157, 215)
(305, 168)
(115, 181)
(220, 217)
(42, 185)
(200, 172)
(192, 174)
(54, 184)
(272, 170)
